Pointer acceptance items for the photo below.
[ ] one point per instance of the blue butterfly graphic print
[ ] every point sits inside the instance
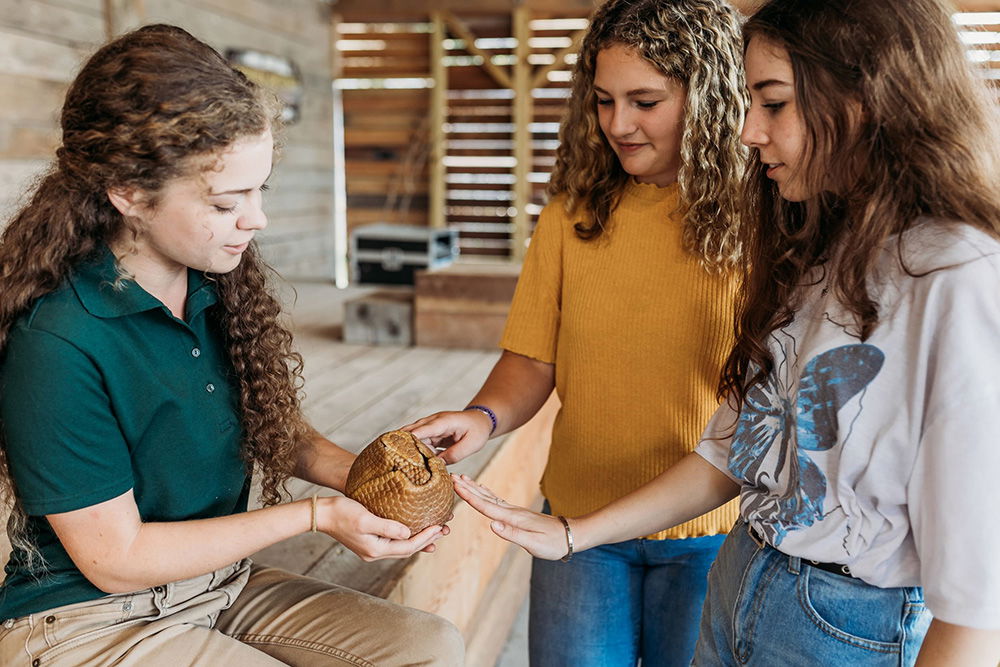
(797, 424)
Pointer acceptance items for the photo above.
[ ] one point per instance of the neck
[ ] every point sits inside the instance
(167, 283)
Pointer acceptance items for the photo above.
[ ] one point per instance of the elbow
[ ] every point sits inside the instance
(112, 580)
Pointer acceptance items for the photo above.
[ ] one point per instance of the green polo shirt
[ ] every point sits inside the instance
(103, 390)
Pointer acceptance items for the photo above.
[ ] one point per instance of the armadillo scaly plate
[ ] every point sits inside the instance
(398, 477)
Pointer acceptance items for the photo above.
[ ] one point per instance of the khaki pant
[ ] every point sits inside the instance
(244, 615)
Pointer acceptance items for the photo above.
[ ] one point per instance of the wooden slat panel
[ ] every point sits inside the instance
(28, 98)
(29, 56)
(360, 216)
(74, 26)
(367, 101)
(30, 142)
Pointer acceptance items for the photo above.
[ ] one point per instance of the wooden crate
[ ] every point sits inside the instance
(379, 318)
(463, 305)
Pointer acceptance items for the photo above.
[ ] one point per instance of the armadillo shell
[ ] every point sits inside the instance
(398, 477)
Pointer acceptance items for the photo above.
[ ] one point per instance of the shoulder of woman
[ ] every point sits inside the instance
(932, 245)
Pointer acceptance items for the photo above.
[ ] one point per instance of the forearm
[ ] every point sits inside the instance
(160, 552)
(324, 463)
(515, 390)
(949, 644)
(684, 491)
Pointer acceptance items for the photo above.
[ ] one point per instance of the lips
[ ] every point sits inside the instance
(236, 249)
(773, 167)
(629, 148)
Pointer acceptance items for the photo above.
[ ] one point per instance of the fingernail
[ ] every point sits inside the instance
(496, 525)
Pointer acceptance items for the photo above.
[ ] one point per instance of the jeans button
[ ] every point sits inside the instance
(158, 589)
(50, 619)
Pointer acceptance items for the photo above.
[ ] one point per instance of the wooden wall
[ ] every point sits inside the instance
(42, 44)
(388, 121)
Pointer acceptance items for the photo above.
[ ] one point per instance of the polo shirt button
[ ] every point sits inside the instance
(195, 353)
(210, 387)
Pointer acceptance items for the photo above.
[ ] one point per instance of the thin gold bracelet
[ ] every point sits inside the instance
(569, 540)
(313, 521)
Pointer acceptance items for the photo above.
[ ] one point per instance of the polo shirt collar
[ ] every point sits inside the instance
(104, 293)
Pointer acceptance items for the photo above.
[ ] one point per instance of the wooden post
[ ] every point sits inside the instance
(123, 15)
(341, 235)
(523, 114)
(439, 111)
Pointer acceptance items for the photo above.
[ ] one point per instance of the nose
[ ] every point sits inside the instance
(253, 216)
(622, 121)
(753, 134)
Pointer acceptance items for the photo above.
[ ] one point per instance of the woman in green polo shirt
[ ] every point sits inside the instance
(144, 371)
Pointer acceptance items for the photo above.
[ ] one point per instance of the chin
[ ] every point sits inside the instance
(224, 265)
(793, 193)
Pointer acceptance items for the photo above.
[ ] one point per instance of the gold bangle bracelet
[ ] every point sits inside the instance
(313, 520)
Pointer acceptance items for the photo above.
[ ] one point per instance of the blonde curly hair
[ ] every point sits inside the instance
(698, 43)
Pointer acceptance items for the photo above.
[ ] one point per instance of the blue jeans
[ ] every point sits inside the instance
(765, 608)
(613, 604)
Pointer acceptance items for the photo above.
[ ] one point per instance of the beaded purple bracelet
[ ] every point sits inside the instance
(486, 411)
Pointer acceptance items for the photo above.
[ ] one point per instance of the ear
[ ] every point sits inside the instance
(128, 201)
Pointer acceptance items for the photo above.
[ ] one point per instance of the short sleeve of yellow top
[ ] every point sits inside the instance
(638, 331)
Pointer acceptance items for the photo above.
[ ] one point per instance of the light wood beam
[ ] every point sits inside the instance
(460, 30)
(123, 15)
(523, 114)
(372, 8)
(575, 39)
(439, 109)
(369, 8)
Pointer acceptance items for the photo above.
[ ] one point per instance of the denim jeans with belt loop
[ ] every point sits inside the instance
(614, 604)
(765, 608)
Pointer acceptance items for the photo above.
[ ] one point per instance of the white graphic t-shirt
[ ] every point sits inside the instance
(884, 454)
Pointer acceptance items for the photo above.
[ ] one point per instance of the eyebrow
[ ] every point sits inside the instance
(241, 191)
(637, 91)
(761, 85)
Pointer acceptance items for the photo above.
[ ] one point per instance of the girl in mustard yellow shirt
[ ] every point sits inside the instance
(624, 307)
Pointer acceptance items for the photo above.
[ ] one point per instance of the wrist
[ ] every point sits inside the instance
(569, 539)
(310, 513)
(487, 412)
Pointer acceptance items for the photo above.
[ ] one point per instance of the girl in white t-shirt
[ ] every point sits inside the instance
(863, 391)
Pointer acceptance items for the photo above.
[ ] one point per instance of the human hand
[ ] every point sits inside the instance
(369, 536)
(459, 433)
(541, 535)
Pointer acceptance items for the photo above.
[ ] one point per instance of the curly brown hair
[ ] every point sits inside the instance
(695, 42)
(925, 146)
(149, 107)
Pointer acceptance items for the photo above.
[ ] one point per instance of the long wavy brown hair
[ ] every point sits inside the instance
(151, 106)
(925, 145)
(695, 42)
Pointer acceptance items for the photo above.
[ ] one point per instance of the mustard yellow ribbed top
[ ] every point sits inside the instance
(638, 331)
